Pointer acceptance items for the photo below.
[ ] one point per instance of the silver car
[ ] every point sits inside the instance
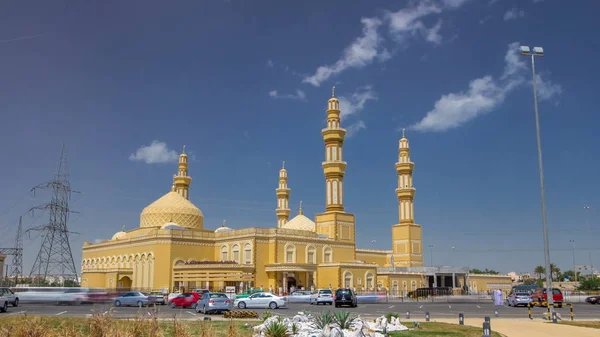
(518, 298)
(10, 296)
(131, 298)
(213, 302)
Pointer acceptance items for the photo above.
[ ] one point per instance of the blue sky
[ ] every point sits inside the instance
(244, 85)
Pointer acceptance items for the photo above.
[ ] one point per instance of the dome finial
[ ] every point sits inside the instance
(224, 222)
(123, 228)
(183, 152)
(333, 91)
(173, 188)
(283, 165)
(403, 133)
(300, 210)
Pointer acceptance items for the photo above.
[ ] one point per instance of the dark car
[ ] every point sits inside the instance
(345, 296)
(593, 299)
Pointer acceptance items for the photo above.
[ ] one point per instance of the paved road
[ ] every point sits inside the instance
(417, 310)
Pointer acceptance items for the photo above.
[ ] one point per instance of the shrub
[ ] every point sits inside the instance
(343, 319)
(276, 329)
(323, 320)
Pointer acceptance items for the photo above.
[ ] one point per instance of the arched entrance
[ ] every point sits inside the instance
(291, 282)
(124, 283)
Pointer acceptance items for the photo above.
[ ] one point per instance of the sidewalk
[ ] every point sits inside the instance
(528, 328)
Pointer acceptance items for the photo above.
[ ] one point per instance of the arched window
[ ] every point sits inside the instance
(311, 254)
(327, 255)
(224, 254)
(247, 254)
(235, 250)
(369, 280)
(395, 287)
(290, 253)
(348, 280)
(413, 285)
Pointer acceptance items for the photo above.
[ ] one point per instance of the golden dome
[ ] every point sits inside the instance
(172, 207)
(300, 222)
(119, 236)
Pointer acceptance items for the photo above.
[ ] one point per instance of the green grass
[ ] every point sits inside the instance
(441, 329)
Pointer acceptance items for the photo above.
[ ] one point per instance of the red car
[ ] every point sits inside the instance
(185, 300)
(540, 296)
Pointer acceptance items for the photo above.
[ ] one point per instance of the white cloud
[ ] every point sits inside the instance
(484, 20)
(546, 90)
(299, 95)
(354, 104)
(513, 14)
(155, 153)
(536, 1)
(492, 2)
(352, 129)
(361, 52)
(270, 63)
(483, 95)
(368, 48)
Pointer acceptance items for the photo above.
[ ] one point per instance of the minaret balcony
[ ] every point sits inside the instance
(283, 211)
(334, 166)
(405, 167)
(333, 135)
(282, 192)
(405, 192)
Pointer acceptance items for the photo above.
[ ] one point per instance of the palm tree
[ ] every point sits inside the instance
(554, 271)
(539, 270)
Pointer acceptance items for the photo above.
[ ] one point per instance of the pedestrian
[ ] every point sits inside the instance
(498, 298)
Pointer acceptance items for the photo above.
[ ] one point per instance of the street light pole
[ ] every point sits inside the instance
(539, 51)
(574, 267)
(587, 224)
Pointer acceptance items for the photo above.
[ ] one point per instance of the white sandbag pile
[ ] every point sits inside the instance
(303, 325)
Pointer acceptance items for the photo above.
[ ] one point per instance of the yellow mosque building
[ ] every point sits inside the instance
(171, 249)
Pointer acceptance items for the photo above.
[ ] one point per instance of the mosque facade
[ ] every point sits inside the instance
(171, 249)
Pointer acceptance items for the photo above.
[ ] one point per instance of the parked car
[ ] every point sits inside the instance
(593, 299)
(12, 298)
(3, 303)
(213, 302)
(324, 296)
(260, 301)
(539, 296)
(157, 297)
(300, 296)
(132, 298)
(345, 296)
(518, 298)
(185, 300)
(200, 291)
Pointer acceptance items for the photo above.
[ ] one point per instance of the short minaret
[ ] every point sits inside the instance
(406, 235)
(283, 198)
(181, 180)
(334, 223)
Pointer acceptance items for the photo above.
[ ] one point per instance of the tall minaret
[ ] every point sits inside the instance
(283, 198)
(406, 235)
(181, 180)
(334, 167)
(335, 223)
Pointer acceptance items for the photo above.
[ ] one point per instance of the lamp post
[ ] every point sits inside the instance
(574, 268)
(533, 52)
(586, 209)
(431, 254)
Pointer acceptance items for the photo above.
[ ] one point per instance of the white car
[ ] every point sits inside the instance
(260, 301)
(3, 303)
(10, 296)
(324, 296)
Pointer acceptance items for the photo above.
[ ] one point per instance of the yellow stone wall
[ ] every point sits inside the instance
(401, 283)
(407, 245)
(483, 283)
(353, 275)
(378, 257)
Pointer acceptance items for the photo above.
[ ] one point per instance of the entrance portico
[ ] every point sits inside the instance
(286, 276)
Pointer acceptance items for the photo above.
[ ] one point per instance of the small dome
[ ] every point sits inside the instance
(172, 208)
(223, 229)
(300, 222)
(171, 225)
(119, 236)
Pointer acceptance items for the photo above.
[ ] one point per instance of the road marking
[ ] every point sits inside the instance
(449, 307)
(191, 313)
(60, 313)
(17, 313)
(391, 306)
(479, 307)
(421, 307)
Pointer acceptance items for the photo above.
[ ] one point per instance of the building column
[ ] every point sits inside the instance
(434, 280)
(285, 289)
(453, 280)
